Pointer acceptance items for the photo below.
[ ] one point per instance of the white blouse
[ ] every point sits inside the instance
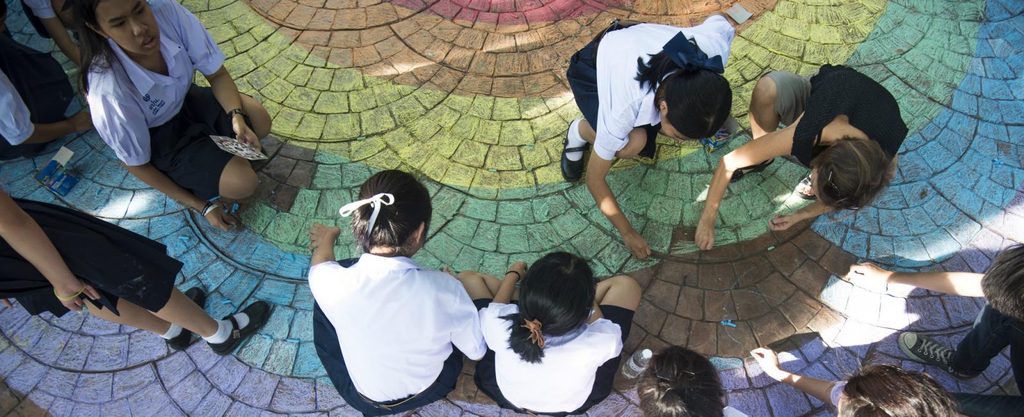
(15, 121)
(563, 379)
(623, 104)
(126, 99)
(396, 323)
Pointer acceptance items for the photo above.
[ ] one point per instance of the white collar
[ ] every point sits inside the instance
(386, 263)
(142, 78)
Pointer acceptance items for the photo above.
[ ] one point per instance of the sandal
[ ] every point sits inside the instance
(184, 339)
(740, 173)
(259, 314)
(805, 184)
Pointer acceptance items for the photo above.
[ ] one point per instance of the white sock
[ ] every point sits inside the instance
(575, 140)
(224, 328)
(172, 332)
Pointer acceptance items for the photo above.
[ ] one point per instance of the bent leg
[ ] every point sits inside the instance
(989, 336)
(587, 131)
(182, 311)
(479, 286)
(238, 180)
(620, 291)
(762, 115)
(132, 315)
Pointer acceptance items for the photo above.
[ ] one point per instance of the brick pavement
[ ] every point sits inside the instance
(470, 95)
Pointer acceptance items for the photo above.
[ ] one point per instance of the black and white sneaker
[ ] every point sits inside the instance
(920, 348)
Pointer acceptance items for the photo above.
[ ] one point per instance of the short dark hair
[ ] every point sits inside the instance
(1003, 283)
(396, 223)
(558, 291)
(851, 173)
(698, 100)
(888, 391)
(680, 383)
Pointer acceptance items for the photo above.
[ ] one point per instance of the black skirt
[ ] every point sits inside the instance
(115, 261)
(182, 148)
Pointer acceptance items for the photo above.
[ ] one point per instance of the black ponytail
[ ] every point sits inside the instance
(95, 51)
(558, 291)
(395, 223)
(699, 100)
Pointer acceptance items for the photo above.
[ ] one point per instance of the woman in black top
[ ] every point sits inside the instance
(840, 123)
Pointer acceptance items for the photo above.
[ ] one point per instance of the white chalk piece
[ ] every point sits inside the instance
(63, 155)
(738, 13)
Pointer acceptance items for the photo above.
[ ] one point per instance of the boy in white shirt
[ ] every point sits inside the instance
(390, 334)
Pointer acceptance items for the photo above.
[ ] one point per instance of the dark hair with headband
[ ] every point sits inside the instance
(395, 223)
(555, 299)
(851, 173)
(888, 391)
(698, 97)
(680, 383)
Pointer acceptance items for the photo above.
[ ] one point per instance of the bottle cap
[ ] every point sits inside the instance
(646, 354)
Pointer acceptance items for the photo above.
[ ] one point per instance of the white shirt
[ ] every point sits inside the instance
(396, 323)
(126, 99)
(623, 104)
(15, 121)
(563, 379)
(43, 9)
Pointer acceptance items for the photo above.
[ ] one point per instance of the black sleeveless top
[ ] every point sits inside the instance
(837, 90)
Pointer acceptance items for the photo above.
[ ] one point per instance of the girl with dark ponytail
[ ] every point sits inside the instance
(556, 350)
(679, 382)
(632, 82)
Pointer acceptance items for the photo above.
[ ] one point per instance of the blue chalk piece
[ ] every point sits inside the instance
(727, 323)
(292, 340)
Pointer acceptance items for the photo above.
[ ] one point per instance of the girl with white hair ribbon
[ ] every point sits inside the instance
(390, 334)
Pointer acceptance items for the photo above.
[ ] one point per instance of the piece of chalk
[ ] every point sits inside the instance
(738, 13)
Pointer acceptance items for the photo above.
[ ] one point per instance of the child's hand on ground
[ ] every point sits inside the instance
(637, 245)
(320, 235)
(220, 218)
(870, 271)
(778, 223)
(82, 121)
(769, 362)
(705, 236)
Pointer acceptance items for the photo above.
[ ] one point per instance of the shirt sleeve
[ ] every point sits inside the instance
(467, 337)
(717, 34)
(611, 339)
(42, 9)
(15, 122)
(837, 391)
(122, 125)
(203, 51)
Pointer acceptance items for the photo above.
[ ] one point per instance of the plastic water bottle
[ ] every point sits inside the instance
(637, 363)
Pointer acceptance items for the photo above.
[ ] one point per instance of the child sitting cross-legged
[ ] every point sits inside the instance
(390, 334)
(556, 350)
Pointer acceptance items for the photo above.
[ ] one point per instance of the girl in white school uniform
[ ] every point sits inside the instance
(632, 83)
(390, 334)
(138, 62)
(556, 350)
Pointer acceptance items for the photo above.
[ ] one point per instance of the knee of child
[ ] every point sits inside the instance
(764, 92)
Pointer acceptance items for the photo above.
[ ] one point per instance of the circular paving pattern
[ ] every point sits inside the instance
(471, 96)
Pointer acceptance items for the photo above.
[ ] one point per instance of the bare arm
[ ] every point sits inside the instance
(769, 362)
(321, 240)
(597, 171)
(28, 240)
(48, 132)
(769, 146)
(967, 284)
(226, 92)
(60, 36)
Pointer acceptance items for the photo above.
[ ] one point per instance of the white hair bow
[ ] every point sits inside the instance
(386, 199)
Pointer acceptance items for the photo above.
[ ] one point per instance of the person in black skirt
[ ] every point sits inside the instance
(840, 123)
(53, 259)
(138, 62)
(35, 94)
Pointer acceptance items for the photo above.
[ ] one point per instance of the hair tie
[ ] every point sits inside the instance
(536, 336)
(376, 201)
(689, 57)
